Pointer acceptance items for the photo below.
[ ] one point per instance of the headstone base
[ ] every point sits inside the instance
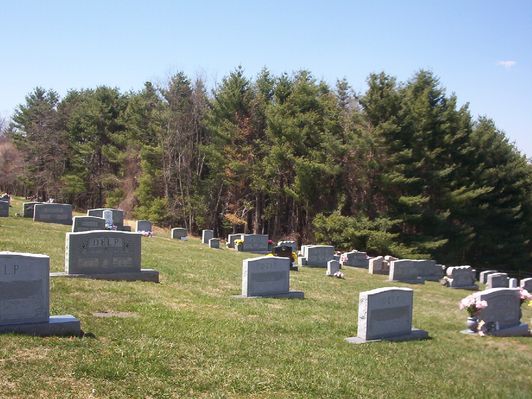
(149, 275)
(418, 280)
(294, 268)
(289, 295)
(65, 326)
(518, 331)
(415, 334)
(470, 288)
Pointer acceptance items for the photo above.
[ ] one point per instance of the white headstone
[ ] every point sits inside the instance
(512, 283)
(108, 217)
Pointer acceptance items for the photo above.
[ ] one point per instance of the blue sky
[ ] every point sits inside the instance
(480, 50)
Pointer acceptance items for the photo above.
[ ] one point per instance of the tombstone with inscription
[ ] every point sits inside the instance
(214, 243)
(4, 209)
(143, 225)
(53, 213)
(231, 238)
(25, 297)
(376, 266)
(429, 270)
(267, 276)
(106, 255)
(178, 233)
(460, 277)
(497, 280)
(27, 209)
(502, 316)
(526, 284)
(254, 243)
(316, 255)
(333, 267)
(386, 314)
(355, 258)
(406, 271)
(206, 235)
(87, 223)
(483, 277)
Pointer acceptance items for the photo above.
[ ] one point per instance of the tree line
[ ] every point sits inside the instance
(400, 169)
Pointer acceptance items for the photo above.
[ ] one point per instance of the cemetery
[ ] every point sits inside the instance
(146, 326)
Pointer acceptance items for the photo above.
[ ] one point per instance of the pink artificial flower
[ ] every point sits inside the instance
(525, 295)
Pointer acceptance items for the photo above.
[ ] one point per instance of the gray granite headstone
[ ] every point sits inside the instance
(502, 316)
(333, 266)
(376, 266)
(231, 238)
(316, 255)
(405, 270)
(118, 215)
(143, 225)
(4, 209)
(386, 313)
(178, 233)
(267, 276)
(497, 280)
(27, 209)
(206, 235)
(483, 277)
(25, 297)
(87, 223)
(105, 254)
(214, 243)
(429, 270)
(526, 284)
(355, 258)
(5, 197)
(461, 277)
(53, 213)
(255, 243)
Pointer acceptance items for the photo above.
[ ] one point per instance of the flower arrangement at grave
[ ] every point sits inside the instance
(270, 245)
(525, 296)
(472, 305)
(343, 258)
(239, 245)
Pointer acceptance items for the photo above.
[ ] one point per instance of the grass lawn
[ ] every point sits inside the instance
(187, 337)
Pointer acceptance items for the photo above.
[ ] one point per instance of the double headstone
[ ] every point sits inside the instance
(460, 277)
(87, 223)
(267, 276)
(178, 233)
(143, 226)
(4, 209)
(25, 297)
(502, 316)
(415, 271)
(497, 280)
(53, 213)
(106, 255)
(316, 255)
(355, 258)
(206, 235)
(386, 314)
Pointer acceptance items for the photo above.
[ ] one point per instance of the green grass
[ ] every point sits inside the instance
(187, 337)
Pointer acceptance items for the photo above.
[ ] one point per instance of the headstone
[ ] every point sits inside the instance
(255, 243)
(206, 235)
(25, 297)
(429, 270)
(107, 255)
(118, 215)
(483, 277)
(386, 314)
(355, 258)
(376, 266)
(460, 277)
(333, 266)
(214, 243)
(267, 276)
(5, 197)
(502, 316)
(497, 280)
(53, 213)
(107, 215)
(231, 238)
(316, 255)
(4, 209)
(27, 209)
(512, 283)
(292, 244)
(405, 270)
(87, 223)
(178, 233)
(526, 284)
(144, 225)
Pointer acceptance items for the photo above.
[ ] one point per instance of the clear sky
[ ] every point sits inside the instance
(480, 50)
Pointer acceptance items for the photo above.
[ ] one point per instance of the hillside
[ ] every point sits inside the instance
(187, 336)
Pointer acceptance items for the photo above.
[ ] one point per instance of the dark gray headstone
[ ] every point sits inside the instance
(27, 209)
(231, 238)
(206, 235)
(497, 280)
(4, 209)
(143, 225)
(178, 233)
(214, 243)
(53, 213)
(255, 242)
(118, 215)
(483, 277)
(526, 284)
(87, 223)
